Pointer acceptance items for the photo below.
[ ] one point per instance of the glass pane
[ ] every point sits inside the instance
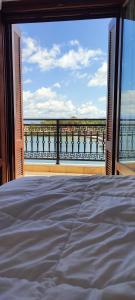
(127, 112)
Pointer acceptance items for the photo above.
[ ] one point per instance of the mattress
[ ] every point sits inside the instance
(68, 238)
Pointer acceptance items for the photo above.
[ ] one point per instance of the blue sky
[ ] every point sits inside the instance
(128, 71)
(65, 69)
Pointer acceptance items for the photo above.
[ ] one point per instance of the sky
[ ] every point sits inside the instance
(65, 69)
(128, 71)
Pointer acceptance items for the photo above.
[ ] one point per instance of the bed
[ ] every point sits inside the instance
(68, 238)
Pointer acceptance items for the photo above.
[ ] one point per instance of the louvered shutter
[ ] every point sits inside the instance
(18, 102)
(3, 115)
(112, 97)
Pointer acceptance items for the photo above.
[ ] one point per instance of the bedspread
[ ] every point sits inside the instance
(68, 238)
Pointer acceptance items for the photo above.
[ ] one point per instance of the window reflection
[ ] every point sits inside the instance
(127, 112)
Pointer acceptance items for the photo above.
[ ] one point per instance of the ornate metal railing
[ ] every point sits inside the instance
(75, 140)
(127, 139)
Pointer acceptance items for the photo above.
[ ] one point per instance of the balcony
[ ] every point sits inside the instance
(64, 146)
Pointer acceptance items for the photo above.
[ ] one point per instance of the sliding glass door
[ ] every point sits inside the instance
(126, 155)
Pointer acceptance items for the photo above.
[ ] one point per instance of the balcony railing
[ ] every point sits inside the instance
(127, 140)
(60, 140)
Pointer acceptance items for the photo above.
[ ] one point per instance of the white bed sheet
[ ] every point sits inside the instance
(68, 238)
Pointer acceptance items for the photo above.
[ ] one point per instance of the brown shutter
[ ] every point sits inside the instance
(112, 97)
(3, 116)
(18, 102)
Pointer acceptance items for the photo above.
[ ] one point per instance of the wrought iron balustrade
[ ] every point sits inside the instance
(127, 139)
(59, 140)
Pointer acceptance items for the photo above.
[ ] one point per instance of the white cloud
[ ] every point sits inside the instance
(46, 102)
(80, 75)
(30, 47)
(128, 104)
(57, 85)
(27, 81)
(74, 43)
(26, 69)
(47, 59)
(100, 77)
(90, 110)
(76, 59)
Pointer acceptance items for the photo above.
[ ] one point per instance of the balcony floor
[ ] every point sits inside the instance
(54, 174)
(62, 170)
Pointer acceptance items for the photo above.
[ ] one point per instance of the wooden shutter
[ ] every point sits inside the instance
(18, 103)
(3, 115)
(112, 96)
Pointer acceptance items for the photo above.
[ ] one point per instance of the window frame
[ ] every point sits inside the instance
(28, 11)
(121, 168)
